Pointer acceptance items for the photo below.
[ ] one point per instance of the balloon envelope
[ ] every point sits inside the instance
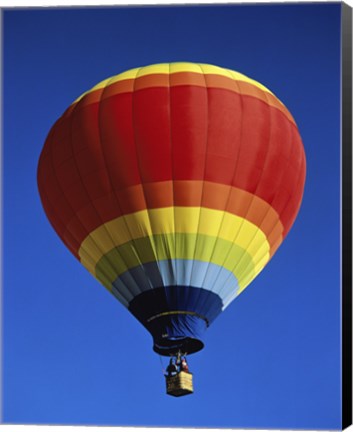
(174, 185)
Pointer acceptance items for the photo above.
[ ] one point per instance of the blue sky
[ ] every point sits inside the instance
(71, 353)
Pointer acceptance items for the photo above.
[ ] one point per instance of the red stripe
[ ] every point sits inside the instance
(159, 134)
(115, 122)
(189, 123)
(152, 134)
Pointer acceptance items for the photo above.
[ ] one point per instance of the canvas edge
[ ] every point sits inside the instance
(346, 118)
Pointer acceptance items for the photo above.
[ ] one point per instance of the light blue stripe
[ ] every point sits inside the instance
(209, 276)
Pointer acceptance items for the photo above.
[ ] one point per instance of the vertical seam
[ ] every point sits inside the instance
(253, 195)
(173, 261)
(243, 274)
(230, 189)
(113, 192)
(294, 190)
(61, 188)
(111, 263)
(43, 192)
(151, 238)
(202, 195)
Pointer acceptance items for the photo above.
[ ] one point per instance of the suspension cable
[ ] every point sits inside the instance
(163, 369)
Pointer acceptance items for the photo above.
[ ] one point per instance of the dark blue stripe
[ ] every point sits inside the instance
(176, 331)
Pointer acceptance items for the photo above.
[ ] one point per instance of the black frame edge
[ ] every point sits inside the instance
(346, 101)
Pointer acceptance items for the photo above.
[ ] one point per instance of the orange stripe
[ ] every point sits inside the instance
(206, 194)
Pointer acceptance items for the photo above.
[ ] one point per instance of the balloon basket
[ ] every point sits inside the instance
(180, 384)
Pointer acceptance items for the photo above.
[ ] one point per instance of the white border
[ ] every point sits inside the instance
(88, 3)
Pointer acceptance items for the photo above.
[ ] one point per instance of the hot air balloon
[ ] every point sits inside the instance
(174, 184)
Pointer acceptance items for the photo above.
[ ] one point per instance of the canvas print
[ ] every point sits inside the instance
(175, 205)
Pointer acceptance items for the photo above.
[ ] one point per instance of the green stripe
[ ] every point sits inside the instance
(174, 246)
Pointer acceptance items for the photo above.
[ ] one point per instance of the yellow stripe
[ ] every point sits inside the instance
(192, 220)
(166, 68)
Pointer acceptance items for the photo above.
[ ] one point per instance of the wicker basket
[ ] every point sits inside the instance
(180, 384)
